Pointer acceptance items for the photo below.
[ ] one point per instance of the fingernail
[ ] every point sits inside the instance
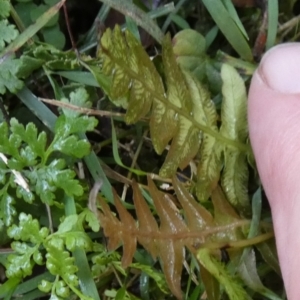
(280, 68)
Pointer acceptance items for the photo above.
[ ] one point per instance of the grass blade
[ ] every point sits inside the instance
(228, 27)
(272, 23)
(140, 17)
(170, 17)
(86, 280)
(117, 156)
(37, 107)
(82, 77)
(232, 11)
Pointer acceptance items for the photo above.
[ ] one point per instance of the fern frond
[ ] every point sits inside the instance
(234, 126)
(169, 240)
(175, 108)
(209, 166)
(114, 229)
(133, 74)
(181, 112)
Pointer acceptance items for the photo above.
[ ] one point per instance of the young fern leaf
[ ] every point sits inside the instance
(208, 170)
(186, 138)
(135, 78)
(234, 126)
(133, 74)
(168, 241)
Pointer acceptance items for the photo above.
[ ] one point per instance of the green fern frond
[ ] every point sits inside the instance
(234, 126)
(133, 74)
(186, 138)
(174, 108)
(181, 112)
(208, 170)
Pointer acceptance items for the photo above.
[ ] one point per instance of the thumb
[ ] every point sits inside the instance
(274, 126)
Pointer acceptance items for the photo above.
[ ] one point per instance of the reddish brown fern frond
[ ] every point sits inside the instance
(168, 241)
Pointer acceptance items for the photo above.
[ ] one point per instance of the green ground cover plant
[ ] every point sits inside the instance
(125, 165)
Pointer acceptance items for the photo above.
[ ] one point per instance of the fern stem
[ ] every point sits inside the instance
(16, 18)
(240, 243)
(185, 235)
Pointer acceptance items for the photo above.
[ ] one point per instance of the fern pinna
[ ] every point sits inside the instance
(181, 111)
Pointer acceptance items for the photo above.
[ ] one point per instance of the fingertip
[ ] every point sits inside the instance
(280, 68)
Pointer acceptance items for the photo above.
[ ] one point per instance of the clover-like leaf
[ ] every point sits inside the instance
(20, 149)
(54, 58)
(55, 242)
(7, 209)
(67, 224)
(45, 286)
(189, 49)
(62, 266)
(27, 252)
(60, 263)
(73, 121)
(79, 98)
(55, 176)
(91, 219)
(8, 78)
(20, 264)
(36, 142)
(77, 239)
(4, 8)
(61, 289)
(27, 195)
(65, 126)
(101, 260)
(73, 146)
(28, 230)
(9, 145)
(8, 33)
(73, 235)
(29, 64)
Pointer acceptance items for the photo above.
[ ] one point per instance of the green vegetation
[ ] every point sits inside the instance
(125, 166)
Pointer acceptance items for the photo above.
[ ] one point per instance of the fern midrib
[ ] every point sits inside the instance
(242, 243)
(186, 234)
(235, 144)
